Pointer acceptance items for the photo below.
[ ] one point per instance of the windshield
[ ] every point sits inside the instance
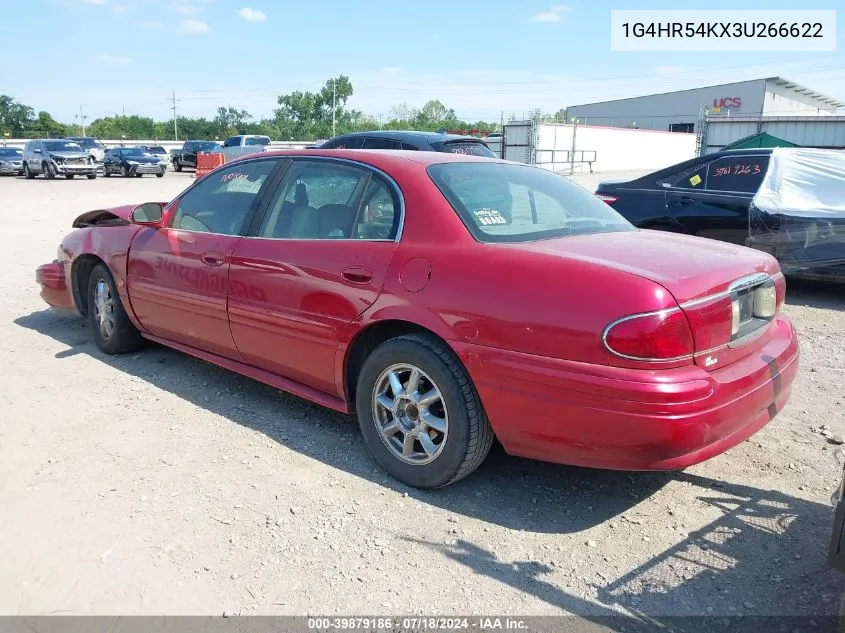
(472, 148)
(500, 202)
(62, 146)
(10, 152)
(133, 151)
(257, 140)
(87, 143)
(204, 147)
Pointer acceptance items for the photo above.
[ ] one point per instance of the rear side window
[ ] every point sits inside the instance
(408, 146)
(737, 173)
(257, 140)
(518, 203)
(381, 143)
(468, 147)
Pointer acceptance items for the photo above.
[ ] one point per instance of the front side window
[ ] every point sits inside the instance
(223, 203)
(518, 203)
(737, 173)
(328, 200)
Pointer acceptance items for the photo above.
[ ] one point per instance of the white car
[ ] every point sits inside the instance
(158, 151)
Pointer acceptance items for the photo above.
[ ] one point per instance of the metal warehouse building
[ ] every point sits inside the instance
(682, 110)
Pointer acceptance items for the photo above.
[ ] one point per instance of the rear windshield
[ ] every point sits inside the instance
(156, 149)
(473, 148)
(203, 146)
(257, 140)
(500, 202)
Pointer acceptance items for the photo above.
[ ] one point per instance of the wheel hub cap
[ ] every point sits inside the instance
(104, 309)
(410, 414)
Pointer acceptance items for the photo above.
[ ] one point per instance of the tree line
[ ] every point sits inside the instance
(300, 116)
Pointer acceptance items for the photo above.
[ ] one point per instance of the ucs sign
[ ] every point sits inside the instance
(727, 102)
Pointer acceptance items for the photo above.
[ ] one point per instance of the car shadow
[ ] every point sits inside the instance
(761, 556)
(515, 493)
(815, 294)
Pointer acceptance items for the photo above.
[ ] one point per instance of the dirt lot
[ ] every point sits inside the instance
(155, 483)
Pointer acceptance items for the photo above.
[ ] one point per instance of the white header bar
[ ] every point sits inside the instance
(723, 31)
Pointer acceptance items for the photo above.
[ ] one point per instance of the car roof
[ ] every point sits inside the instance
(408, 135)
(385, 157)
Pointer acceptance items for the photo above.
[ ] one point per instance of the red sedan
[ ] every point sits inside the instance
(446, 299)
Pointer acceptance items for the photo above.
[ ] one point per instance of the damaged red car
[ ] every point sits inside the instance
(447, 300)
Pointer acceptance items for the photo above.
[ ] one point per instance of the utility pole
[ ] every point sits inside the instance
(82, 117)
(334, 105)
(173, 100)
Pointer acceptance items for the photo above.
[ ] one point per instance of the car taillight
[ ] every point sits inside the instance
(607, 198)
(780, 292)
(653, 336)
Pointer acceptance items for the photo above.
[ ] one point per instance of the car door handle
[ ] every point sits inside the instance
(213, 258)
(685, 200)
(357, 275)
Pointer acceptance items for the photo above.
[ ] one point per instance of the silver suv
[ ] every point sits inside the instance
(57, 157)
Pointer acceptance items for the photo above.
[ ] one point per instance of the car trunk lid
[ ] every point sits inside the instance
(722, 288)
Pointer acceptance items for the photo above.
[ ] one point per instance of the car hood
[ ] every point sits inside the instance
(688, 267)
(111, 216)
(11, 159)
(82, 154)
(142, 159)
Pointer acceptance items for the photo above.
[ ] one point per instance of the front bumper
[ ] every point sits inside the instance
(83, 169)
(11, 168)
(623, 419)
(54, 289)
(151, 168)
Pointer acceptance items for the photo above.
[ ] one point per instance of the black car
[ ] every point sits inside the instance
(187, 156)
(708, 196)
(131, 161)
(409, 140)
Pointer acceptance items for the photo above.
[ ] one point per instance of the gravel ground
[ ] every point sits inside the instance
(158, 484)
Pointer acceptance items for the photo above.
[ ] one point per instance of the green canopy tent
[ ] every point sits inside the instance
(763, 139)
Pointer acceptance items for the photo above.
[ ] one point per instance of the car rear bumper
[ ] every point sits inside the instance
(54, 289)
(623, 419)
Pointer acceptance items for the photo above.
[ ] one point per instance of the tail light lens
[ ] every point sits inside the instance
(607, 198)
(654, 336)
(780, 291)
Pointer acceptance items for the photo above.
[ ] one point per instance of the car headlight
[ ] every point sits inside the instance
(57, 159)
(132, 162)
(3, 163)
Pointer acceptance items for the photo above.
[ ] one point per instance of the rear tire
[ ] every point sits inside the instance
(177, 166)
(111, 328)
(69, 176)
(459, 437)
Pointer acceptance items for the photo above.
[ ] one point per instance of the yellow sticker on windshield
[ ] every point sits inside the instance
(695, 180)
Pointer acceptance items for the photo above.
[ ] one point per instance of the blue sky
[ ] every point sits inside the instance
(479, 57)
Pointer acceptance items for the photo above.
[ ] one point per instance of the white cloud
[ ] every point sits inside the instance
(194, 26)
(252, 15)
(113, 60)
(554, 15)
(186, 9)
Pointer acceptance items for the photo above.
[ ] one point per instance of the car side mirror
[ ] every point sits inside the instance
(148, 214)
(36, 151)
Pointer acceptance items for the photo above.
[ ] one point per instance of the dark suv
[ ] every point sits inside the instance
(187, 156)
(408, 140)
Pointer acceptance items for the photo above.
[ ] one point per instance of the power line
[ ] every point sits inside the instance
(81, 117)
(173, 99)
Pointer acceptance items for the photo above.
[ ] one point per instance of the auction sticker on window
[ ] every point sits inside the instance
(489, 216)
(695, 180)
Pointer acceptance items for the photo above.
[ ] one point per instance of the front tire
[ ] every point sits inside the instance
(69, 176)
(126, 172)
(91, 176)
(420, 414)
(177, 166)
(113, 332)
(27, 173)
(50, 171)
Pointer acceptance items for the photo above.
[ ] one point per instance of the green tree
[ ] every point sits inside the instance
(46, 126)
(16, 119)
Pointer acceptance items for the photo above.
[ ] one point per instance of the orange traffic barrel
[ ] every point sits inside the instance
(207, 162)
